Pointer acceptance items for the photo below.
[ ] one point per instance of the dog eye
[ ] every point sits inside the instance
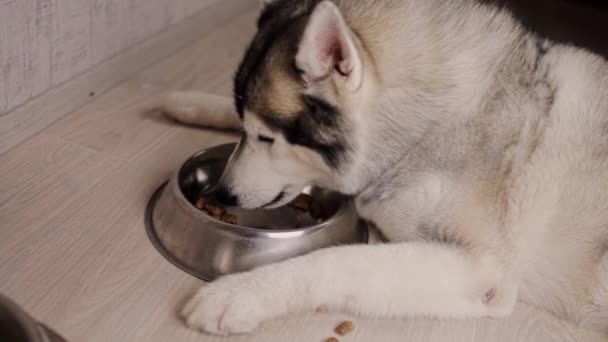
(265, 139)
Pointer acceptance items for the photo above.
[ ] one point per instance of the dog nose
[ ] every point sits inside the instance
(223, 196)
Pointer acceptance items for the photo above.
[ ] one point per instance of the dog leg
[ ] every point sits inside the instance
(201, 109)
(389, 280)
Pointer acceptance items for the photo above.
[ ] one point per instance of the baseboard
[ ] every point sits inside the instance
(32, 117)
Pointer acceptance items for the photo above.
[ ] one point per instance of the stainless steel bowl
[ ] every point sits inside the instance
(208, 248)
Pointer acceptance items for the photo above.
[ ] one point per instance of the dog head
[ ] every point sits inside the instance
(299, 92)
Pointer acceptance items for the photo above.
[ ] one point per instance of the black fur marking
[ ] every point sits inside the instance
(317, 126)
(300, 130)
(274, 21)
(278, 198)
(321, 111)
(265, 139)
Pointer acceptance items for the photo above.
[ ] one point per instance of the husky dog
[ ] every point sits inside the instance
(478, 149)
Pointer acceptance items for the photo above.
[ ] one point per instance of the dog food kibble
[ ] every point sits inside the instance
(215, 210)
(201, 203)
(306, 204)
(332, 339)
(344, 328)
(302, 203)
(229, 218)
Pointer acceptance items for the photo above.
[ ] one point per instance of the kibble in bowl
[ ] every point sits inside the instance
(304, 210)
(216, 211)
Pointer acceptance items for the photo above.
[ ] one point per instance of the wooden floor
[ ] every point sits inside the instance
(73, 249)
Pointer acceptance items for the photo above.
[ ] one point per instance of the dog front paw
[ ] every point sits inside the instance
(232, 305)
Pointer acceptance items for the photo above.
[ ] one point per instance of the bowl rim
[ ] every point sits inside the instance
(186, 205)
(157, 242)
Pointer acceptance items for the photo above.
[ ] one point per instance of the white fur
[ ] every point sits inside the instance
(359, 279)
(518, 177)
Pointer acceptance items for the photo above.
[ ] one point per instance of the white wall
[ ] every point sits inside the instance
(46, 42)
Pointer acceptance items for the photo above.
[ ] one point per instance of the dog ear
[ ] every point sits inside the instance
(327, 48)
